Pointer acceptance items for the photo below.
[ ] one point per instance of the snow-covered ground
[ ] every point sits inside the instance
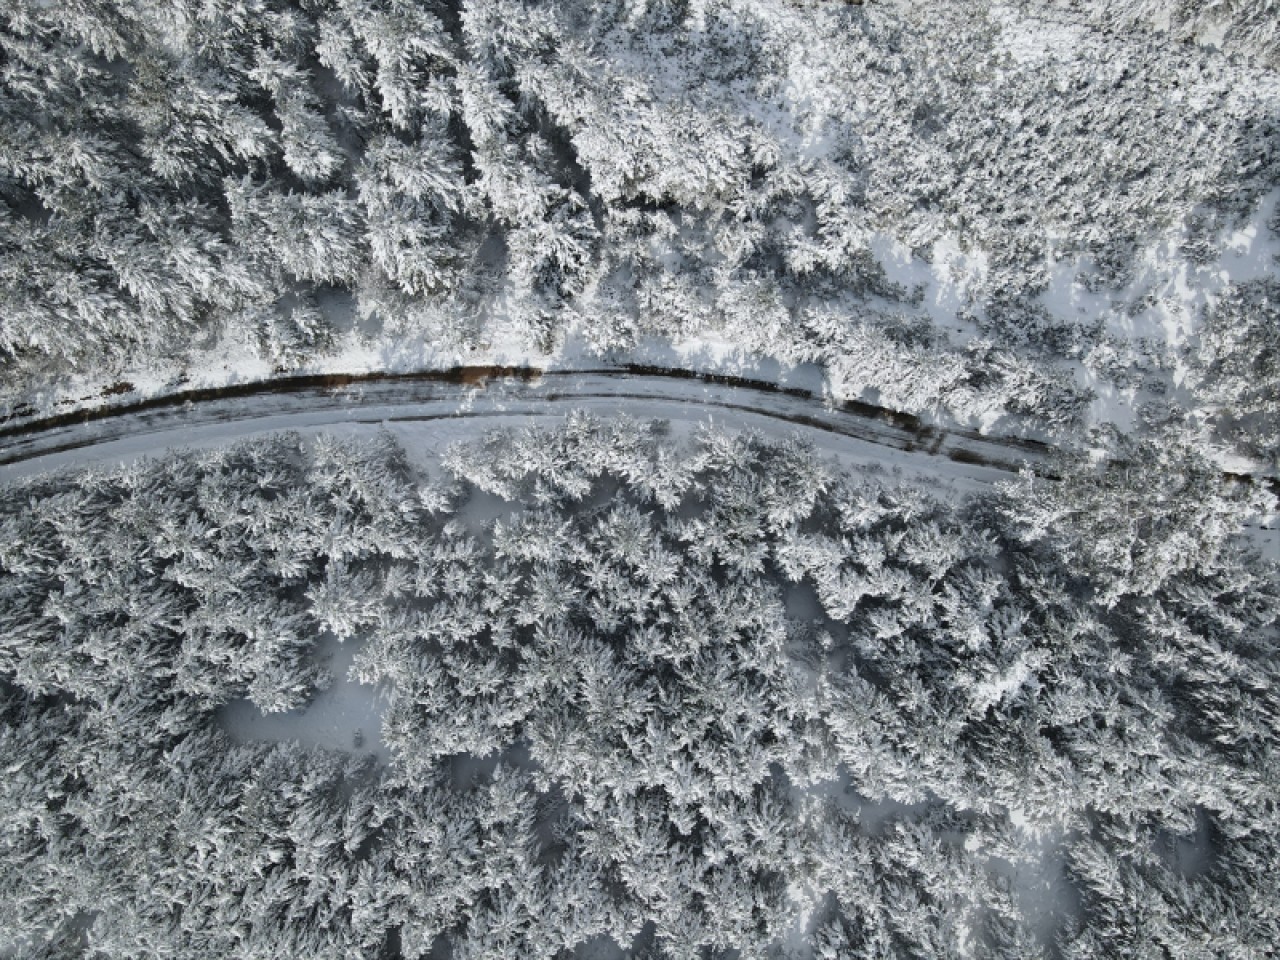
(347, 716)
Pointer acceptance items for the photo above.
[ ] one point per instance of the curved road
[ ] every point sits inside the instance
(478, 392)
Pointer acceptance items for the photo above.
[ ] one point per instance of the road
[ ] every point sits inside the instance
(428, 411)
(473, 393)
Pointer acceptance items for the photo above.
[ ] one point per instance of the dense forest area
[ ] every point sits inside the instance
(645, 689)
(1040, 721)
(295, 177)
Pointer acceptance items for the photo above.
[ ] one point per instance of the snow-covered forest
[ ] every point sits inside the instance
(1041, 214)
(730, 697)
(375, 679)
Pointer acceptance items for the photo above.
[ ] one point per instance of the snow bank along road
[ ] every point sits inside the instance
(492, 393)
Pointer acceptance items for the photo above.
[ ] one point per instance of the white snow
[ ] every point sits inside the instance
(948, 282)
(336, 718)
(1172, 293)
(1177, 289)
(998, 686)
(1031, 41)
(1045, 896)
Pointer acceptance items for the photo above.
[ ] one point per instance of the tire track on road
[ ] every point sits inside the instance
(499, 386)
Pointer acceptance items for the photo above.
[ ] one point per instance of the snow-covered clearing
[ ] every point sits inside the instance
(347, 716)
